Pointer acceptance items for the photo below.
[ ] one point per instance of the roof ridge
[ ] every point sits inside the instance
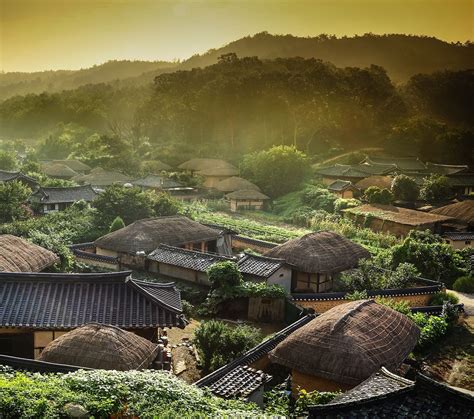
(262, 257)
(139, 287)
(357, 308)
(191, 251)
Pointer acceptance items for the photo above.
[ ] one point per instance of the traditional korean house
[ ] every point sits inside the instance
(213, 175)
(345, 345)
(236, 183)
(382, 182)
(343, 189)
(76, 165)
(6, 177)
(317, 258)
(461, 212)
(37, 308)
(197, 164)
(459, 240)
(101, 178)
(354, 172)
(134, 242)
(156, 166)
(462, 183)
(185, 264)
(54, 199)
(247, 199)
(385, 394)
(395, 220)
(101, 346)
(266, 269)
(59, 171)
(19, 255)
(163, 184)
(404, 165)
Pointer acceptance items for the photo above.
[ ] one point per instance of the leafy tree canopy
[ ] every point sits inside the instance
(405, 188)
(13, 197)
(375, 195)
(436, 189)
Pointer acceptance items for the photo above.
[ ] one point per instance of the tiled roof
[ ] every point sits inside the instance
(64, 194)
(155, 181)
(255, 353)
(462, 180)
(341, 185)
(6, 176)
(242, 381)
(387, 395)
(261, 266)
(403, 163)
(189, 259)
(467, 235)
(75, 165)
(63, 301)
(446, 169)
(361, 170)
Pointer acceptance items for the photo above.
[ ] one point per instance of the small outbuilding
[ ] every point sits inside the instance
(346, 345)
(54, 199)
(343, 189)
(19, 255)
(101, 346)
(235, 183)
(247, 199)
(317, 258)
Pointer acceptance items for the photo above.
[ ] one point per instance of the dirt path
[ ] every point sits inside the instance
(467, 300)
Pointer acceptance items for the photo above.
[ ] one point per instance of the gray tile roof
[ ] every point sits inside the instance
(66, 194)
(189, 259)
(403, 163)
(261, 266)
(155, 181)
(64, 301)
(242, 381)
(6, 176)
(341, 185)
(467, 235)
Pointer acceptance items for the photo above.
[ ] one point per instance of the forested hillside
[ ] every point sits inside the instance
(401, 55)
(240, 105)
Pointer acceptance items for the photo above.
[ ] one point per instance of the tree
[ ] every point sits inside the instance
(13, 197)
(375, 195)
(117, 224)
(278, 171)
(405, 188)
(7, 160)
(219, 343)
(318, 198)
(224, 274)
(164, 204)
(436, 188)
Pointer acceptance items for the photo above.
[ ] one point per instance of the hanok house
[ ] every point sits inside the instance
(101, 178)
(132, 243)
(385, 394)
(47, 200)
(197, 164)
(213, 175)
(235, 183)
(353, 173)
(345, 345)
(395, 220)
(265, 269)
(19, 255)
(163, 184)
(76, 165)
(405, 165)
(188, 265)
(461, 212)
(459, 239)
(382, 182)
(37, 308)
(59, 171)
(247, 199)
(6, 177)
(343, 189)
(317, 258)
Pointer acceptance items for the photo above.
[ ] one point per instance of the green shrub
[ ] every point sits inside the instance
(188, 309)
(464, 284)
(400, 306)
(342, 203)
(432, 328)
(306, 399)
(439, 298)
(375, 195)
(117, 224)
(224, 274)
(318, 198)
(357, 295)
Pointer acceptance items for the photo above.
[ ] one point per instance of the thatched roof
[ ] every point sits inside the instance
(461, 211)
(247, 194)
(235, 183)
(320, 252)
(156, 165)
(382, 182)
(59, 170)
(101, 346)
(397, 214)
(218, 171)
(75, 165)
(202, 164)
(147, 234)
(101, 177)
(19, 255)
(349, 342)
(65, 194)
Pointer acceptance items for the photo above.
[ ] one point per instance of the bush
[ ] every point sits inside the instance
(375, 195)
(306, 399)
(405, 188)
(357, 295)
(318, 198)
(342, 203)
(464, 284)
(439, 298)
(117, 224)
(224, 274)
(432, 328)
(436, 188)
(400, 306)
(188, 309)
(219, 343)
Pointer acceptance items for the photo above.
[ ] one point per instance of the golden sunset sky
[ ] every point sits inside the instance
(71, 34)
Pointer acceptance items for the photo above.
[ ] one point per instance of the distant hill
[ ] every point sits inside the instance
(401, 55)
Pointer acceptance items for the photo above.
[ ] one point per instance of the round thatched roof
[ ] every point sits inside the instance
(247, 194)
(59, 170)
(19, 255)
(202, 164)
(461, 211)
(382, 182)
(320, 252)
(235, 183)
(75, 165)
(101, 177)
(349, 342)
(101, 346)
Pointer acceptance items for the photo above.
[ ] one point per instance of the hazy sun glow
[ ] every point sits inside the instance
(70, 34)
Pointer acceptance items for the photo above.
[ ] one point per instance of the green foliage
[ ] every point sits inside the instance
(117, 224)
(224, 274)
(306, 399)
(356, 295)
(464, 284)
(400, 306)
(277, 402)
(344, 203)
(278, 171)
(7, 160)
(318, 198)
(405, 188)
(436, 188)
(111, 394)
(433, 258)
(13, 196)
(439, 298)
(188, 309)
(432, 329)
(375, 195)
(164, 204)
(219, 343)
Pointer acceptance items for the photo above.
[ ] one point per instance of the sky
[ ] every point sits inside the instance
(38, 35)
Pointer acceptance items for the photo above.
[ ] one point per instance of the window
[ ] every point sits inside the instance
(467, 242)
